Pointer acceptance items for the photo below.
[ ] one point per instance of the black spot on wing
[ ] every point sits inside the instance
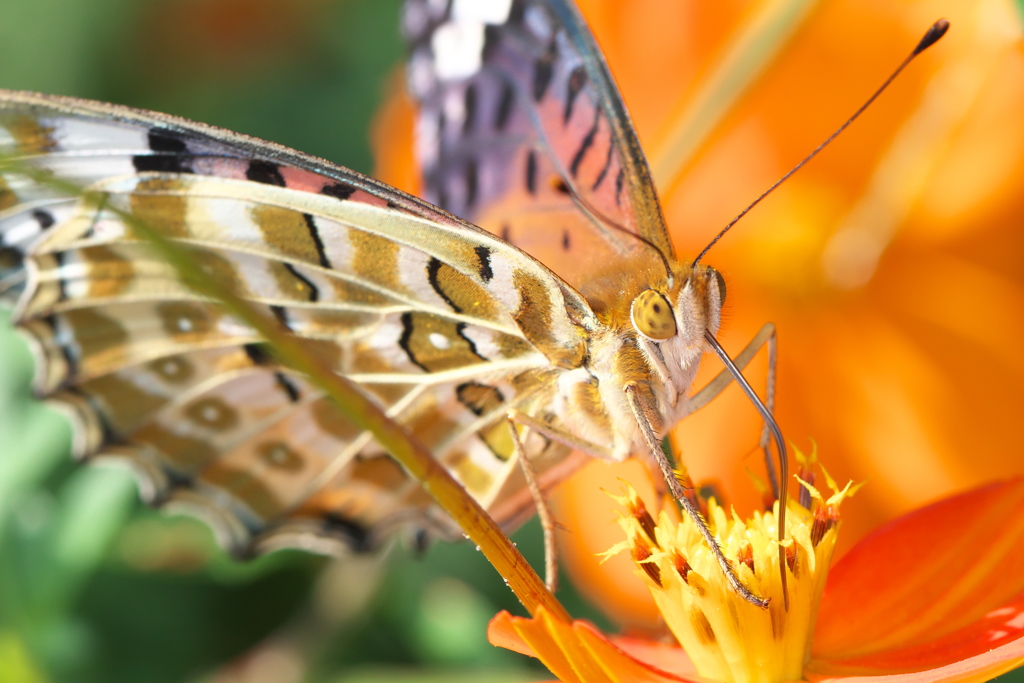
(577, 79)
(460, 330)
(11, 258)
(338, 190)
(169, 154)
(585, 145)
(265, 172)
(314, 292)
(43, 218)
(166, 142)
(433, 269)
(472, 182)
(258, 353)
(620, 180)
(403, 341)
(314, 233)
(281, 314)
(492, 40)
(479, 398)
(352, 533)
(607, 165)
(58, 258)
(506, 102)
(531, 172)
(288, 386)
(421, 541)
(565, 240)
(469, 105)
(483, 269)
(516, 13)
(543, 70)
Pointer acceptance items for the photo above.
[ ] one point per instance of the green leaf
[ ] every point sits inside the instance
(96, 502)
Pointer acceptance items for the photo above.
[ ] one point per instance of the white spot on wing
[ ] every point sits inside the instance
(106, 228)
(74, 275)
(458, 49)
(486, 11)
(79, 134)
(170, 369)
(420, 76)
(501, 284)
(439, 341)
(219, 221)
(538, 22)
(85, 167)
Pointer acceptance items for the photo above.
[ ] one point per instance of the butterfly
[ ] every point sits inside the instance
(443, 310)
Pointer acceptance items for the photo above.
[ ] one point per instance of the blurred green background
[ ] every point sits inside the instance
(94, 587)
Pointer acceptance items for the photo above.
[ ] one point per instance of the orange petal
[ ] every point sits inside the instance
(392, 138)
(1000, 630)
(578, 652)
(589, 519)
(929, 574)
(501, 632)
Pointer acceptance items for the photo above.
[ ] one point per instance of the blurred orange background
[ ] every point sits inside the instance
(892, 264)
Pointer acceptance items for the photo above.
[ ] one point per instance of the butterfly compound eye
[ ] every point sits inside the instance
(652, 315)
(721, 283)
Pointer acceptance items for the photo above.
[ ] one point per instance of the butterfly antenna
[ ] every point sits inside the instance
(936, 31)
(611, 223)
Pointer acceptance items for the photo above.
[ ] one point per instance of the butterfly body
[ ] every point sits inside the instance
(619, 355)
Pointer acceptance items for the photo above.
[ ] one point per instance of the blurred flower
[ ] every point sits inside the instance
(933, 596)
(891, 264)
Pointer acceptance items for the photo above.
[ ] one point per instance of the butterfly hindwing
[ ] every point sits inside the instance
(519, 113)
(441, 323)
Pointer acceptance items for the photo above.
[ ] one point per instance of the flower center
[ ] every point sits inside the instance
(726, 637)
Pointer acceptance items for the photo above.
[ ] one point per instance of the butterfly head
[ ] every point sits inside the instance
(682, 313)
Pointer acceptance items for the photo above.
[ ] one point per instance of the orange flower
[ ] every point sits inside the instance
(937, 595)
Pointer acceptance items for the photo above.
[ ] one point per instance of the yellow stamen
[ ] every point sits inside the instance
(728, 638)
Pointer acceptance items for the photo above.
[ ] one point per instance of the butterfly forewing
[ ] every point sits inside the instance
(448, 326)
(441, 323)
(522, 131)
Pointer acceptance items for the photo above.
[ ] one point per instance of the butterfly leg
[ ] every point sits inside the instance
(543, 510)
(557, 435)
(654, 446)
(765, 337)
(547, 520)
